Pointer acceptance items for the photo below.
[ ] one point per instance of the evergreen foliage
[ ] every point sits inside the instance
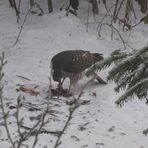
(130, 73)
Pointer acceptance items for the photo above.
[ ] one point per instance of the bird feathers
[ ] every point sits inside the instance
(72, 62)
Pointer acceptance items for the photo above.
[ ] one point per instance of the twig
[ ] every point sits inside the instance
(5, 114)
(58, 142)
(42, 131)
(17, 115)
(23, 77)
(25, 18)
(105, 15)
(119, 9)
(115, 11)
(36, 129)
(16, 9)
(134, 12)
(104, 2)
(71, 111)
(39, 129)
(43, 116)
(11, 3)
(117, 31)
(21, 28)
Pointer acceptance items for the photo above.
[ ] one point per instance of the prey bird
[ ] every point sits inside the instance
(72, 64)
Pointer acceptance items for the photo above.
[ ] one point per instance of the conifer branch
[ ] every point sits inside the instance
(130, 73)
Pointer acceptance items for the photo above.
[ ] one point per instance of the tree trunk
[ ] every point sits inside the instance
(95, 8)
(31, 2)
(11, 3)
(50, 9)
(144, 6)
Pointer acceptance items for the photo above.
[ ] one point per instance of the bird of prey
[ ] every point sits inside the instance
(72, 64)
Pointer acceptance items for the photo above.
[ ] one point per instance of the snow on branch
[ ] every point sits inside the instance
(140, 90)
(130, 72)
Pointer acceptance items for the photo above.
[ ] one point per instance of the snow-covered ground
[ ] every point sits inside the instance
(97, 124)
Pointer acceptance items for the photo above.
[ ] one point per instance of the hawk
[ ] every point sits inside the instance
(72, 64)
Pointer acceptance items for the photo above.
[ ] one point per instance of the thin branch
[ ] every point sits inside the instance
(117, 13)
(71, 112)
(5, 114)
(43, 115)
(25, 18)
(33, 130)
(17, 115)
(11, 3)
(105, 15)
(21, 28)
(42, 131)
(39, 129)
(16, 9)
(117, 31)
(115, 10)
(19, 122)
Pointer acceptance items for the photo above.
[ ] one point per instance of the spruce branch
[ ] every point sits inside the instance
(130, 73)
(115, 57)
(140, 90)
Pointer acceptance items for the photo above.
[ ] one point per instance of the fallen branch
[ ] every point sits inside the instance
(23, 77)
(43, 131)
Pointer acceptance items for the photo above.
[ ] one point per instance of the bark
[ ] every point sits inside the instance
(50, 8)
(95, 8)
(11, 3)
(31, 2)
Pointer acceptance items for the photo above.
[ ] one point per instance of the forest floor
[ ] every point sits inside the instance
(97, 123)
